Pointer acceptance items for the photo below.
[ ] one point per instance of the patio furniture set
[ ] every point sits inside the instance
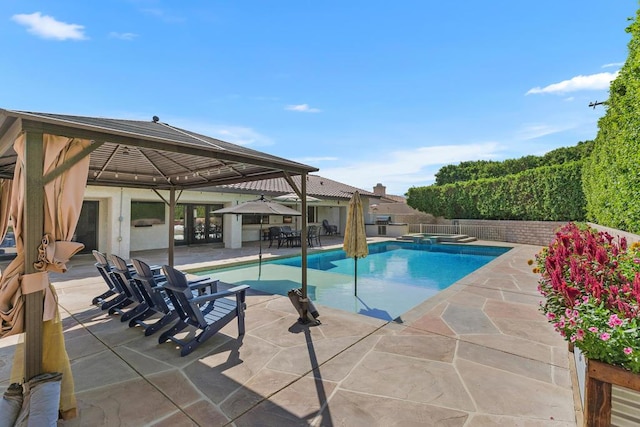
(139, 292)
(285, 236)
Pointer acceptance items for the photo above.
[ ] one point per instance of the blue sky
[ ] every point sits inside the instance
(369, 92)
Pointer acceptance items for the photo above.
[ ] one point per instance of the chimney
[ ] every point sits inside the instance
(380, 190)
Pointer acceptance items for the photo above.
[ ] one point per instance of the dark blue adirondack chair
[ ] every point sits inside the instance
(207, 313)
(104, 301)
(123, 275)
(150, 286)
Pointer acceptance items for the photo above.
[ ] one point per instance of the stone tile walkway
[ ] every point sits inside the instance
(477, 354)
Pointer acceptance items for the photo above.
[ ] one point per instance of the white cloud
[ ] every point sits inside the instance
(122, 36)
(303, 108)
(239, 135)
(535, 130)
(317, 159)
(48, 27)
(592, 82)
(163, 15)
(613, 64)
(402, 169)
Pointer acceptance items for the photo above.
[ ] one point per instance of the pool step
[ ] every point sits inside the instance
(457, 238)
(440, 238)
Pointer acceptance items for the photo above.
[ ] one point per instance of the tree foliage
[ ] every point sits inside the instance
(611, 176)
(472, 170)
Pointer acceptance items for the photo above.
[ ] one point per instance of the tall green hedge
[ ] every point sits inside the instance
(548, 193)
(611, 176)
(477, 169)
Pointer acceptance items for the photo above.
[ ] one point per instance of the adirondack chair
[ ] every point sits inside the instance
(207, 313)
(151, 287)
(124, 276)
(104, 301)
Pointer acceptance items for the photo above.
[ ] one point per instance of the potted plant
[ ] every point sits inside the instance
(591, 284)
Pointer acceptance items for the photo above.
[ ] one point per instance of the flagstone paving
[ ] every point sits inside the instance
(477, 354)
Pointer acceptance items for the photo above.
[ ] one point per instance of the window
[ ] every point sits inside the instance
(312, 214)
(255, 219)
(146, 214)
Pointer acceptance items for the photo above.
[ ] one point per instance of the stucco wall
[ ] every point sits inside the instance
(116, 234)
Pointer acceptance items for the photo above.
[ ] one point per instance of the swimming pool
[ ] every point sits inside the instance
(392, 279)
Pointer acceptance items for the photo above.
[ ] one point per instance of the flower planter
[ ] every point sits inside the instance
(599, 379)
(591, 284)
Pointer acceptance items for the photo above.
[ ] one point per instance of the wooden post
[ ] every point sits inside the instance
(33, 229)
(597, 403)
(172, 218)
(599, 379)
(303, 245)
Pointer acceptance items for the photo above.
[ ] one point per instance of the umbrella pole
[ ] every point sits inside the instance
(355, 276)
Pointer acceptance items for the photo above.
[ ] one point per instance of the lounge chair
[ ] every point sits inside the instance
(328, 228)
(208, 313)
(151, 287)
(157, 301)
(104, 300)
(124, 276)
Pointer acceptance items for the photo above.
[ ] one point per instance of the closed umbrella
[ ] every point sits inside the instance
(258, 207)
(355, 235)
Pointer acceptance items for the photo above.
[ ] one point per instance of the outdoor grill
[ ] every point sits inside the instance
(383, 220)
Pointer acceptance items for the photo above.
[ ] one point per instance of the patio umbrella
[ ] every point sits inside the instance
(355, 236)
(259, 207)
(294, 198)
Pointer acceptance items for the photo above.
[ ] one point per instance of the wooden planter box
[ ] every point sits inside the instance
(599, 379)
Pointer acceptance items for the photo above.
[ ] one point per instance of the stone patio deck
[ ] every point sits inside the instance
(477, 354)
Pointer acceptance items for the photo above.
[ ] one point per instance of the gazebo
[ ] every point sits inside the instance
(123, 153)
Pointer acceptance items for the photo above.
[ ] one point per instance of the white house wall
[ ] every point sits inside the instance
(117, 236)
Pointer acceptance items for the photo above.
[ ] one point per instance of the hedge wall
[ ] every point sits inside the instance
(549, 193)
(611, 176)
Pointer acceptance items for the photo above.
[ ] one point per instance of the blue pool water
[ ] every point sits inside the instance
(392, 279)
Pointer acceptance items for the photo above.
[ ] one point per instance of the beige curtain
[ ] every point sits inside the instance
(63, 202)
(5, 197)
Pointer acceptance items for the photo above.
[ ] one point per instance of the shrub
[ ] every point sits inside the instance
(591, 285)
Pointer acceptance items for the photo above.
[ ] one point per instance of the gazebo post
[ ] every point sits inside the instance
(303, 244)
(172, 218)
(33, 228)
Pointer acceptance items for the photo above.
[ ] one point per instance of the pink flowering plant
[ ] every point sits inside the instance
(591, 285)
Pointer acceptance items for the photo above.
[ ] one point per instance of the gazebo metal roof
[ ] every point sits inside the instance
(147, 154)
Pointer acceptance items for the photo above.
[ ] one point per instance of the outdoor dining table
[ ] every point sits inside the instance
(293, 238)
